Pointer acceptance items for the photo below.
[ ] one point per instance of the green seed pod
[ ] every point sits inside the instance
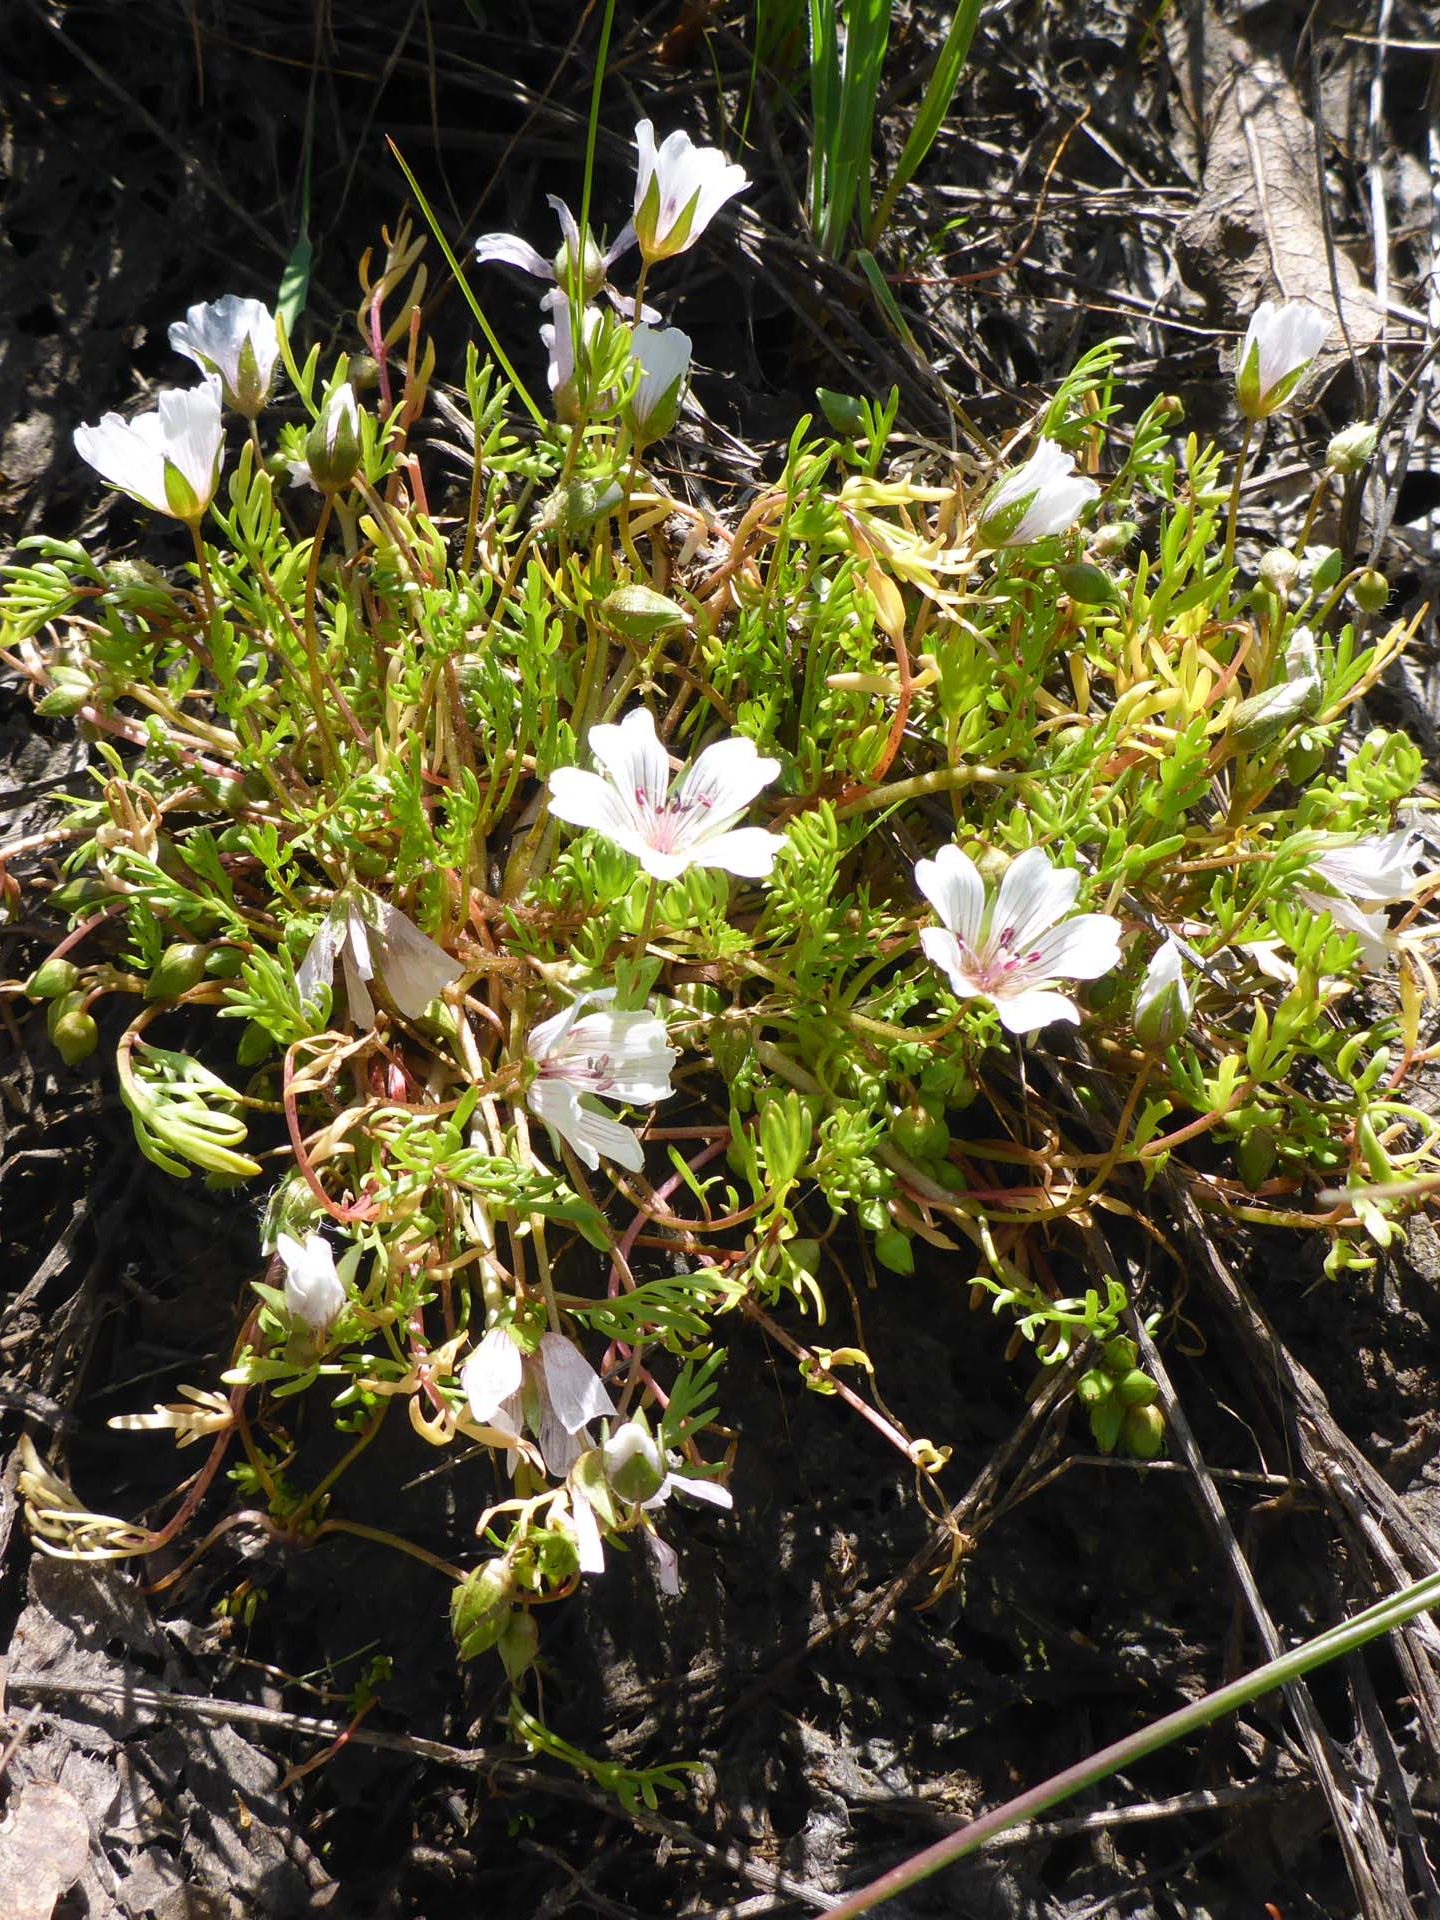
(1370, 591)
(1350, 450)
(71, 688)
(180, 967)
(842, 411)
(224, 962)
(1106, 1421)
(894, 1251)
(52, 978)
(920, 1134)
(1143, 1432)
(1279, 570)
(1259, 721)
(1112, 540)
(1120, 1354)
(1087, 586)
(480, 1608)
(639, 613)
(76, 1036)
(1137, 1389)
(1304, 761)
(1094, 1387)
(519, 1644)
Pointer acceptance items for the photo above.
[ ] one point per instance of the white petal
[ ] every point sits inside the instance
(588, 800)
(1033, 896)
(575, 1390)
(194, 434)
(317, 969)
(558, 1104)
(492, 1374)
(314, 1291)
(633, 757)
(598, 1133)
(943, 949)
(1081, 948)
(1381, 868)
(747, 852)
(724, 780)
(1370, 929)
(951, 883)
(588, 1543)
(415, 970)
(359, 1005)
(1034, 1007)
(667, 1564)
(559, 1448)
(708, 1491)
(511, 251)
(127, 460)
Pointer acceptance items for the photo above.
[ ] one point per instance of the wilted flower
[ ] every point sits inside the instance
(678, 191)
(367, 935)
(554, 1392)
(1164, 1000)
(663, 357)
(168, 460)
(332, 448)
(583, 1058)
(1279, 344)
(1007, 949)
(1043, 497)
(314, 1291)
(208, 1413)
(1359, 880)
(636, 1473)
(511, 251)
(632, 804)
(236, 340)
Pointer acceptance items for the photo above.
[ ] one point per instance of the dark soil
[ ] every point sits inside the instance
(156, 156)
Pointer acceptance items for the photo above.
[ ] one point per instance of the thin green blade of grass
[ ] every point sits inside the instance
(867, 35)
(824, 106)
(939, 92)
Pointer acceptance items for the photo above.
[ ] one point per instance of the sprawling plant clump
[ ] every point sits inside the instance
(616, 920)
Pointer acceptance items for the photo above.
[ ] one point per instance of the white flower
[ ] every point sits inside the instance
(558, 337)
(1280, 343)
(678, 191)
(694, 826)
(314, 1291)
(169, 459)
(1007, 949)
(663, 357)
(237, 340)
(555, 1392)
(583, 1058)
(367, 935)
(332, 447)
(511, 251)
(1359, 880)
(1164, 1000)
(1039, 499)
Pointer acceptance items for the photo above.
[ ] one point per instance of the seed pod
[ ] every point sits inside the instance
(52, 978)
(1143, 1432)
(639, 613)
(1087, 586)
(1370, 590)
(519, 1644)
(180, 967)
(480, 1608)
(76, 1036)
(1259, 721)
(920, 1134)
(894, 1251)
(1137, 1389)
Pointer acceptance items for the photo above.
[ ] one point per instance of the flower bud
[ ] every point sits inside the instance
(332, 450)
(894, 1251)
(1164, 1001)
(480, 1608)
(844, 414)
(1087, 586)
(180, 967)
(1370, 590)
(662, 355)
(920, 1134)
(1143, 1432)
(637, 612)
(1350, 450)
(634, 1464)
(1121, 1354)
(1094, 1387)
(1279, 570)
(1137, 1389)
(52, 978)
(75, 1034)
(1279, 346)
(1260, 720)
(1111, 540)
(70, 689)
(519, 1644)
(1255, 1157)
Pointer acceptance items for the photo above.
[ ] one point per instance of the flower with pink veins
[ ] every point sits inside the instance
(555, 1392)
(583, 1058)
(1010, 948)
(669, 831)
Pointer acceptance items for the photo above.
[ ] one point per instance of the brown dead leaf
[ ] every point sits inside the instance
(44, 1845)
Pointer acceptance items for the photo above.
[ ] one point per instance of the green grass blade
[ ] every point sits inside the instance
(867, 34)
(939, 92)
(824, 106)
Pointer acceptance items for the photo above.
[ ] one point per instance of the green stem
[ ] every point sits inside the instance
(1345, 1638)
(312, 643)
(1233, 517)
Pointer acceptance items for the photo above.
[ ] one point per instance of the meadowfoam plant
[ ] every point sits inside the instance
(617, 920)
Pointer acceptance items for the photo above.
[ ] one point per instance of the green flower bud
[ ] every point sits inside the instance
(254, 1045)
(1279, 570)
(1094, 1387)
(332, 448)
(1109, 542)
(1137, 1389)
(1087, 586)
(70, 689)
(180, 967)
(76, 1036)
(52, 978)
(1305, 759)
(1106, 1421)
(224, 962)
(634, 1464)
(519, 1644)
(1260, 721)
(639, 613)
(842, 411)
(1255, 1157)
(1351, 449)
(1164, 1000)
(480, 1608)
(1121, 1354)
(920, 1134)
(894, 1251)
(1370, 591)
(1143, 1432)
